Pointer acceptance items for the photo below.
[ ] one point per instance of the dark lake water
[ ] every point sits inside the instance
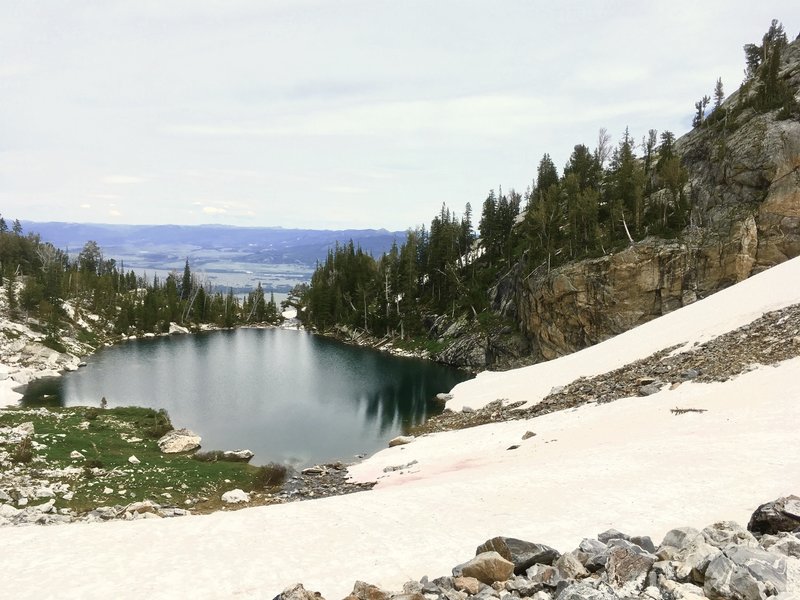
(289, 396)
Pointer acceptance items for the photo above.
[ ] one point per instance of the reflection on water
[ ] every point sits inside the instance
(289, 396)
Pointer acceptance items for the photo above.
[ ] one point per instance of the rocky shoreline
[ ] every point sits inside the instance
(724, 561)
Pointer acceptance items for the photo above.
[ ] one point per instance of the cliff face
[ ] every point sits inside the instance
(744, 188)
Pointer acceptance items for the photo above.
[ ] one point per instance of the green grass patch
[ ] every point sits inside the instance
(107, 439)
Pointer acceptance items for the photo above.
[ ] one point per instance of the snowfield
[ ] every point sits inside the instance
(629, 464)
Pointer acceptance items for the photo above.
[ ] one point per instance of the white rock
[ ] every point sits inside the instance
(179, 440)
(75, 454)
(235, 496)
(400, 440)
(22, 501)
(44, 492)
(142, 507)
(68, 496)
(108, 490)
(46, 507)
(8, 511)
(238, 455)
(24, 428)
(133, 460)
(174, 328)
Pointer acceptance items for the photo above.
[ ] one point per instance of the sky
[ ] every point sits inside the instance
(346, 114)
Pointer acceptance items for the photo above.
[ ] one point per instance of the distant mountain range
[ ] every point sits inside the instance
(237, 256)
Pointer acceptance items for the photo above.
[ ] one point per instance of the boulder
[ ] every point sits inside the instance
(470, 585)
(745, 573)
(691, 554)
(679, 538)
(773, 517)
(76, 455)
(174, 328)
(585, 591)
(145, 506)
(725, 533)
(367, 591)
(523, 554)
(487, 568)
(179, 440)
(569, 567)
(786, 544)
(298, 592)
(133, 460)
(238, 455)
(235, 496)
(611, 534)
(400, 440)
(644, 542)
(627, 567)
(25, 429)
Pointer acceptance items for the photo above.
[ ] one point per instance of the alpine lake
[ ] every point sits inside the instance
(289, 396)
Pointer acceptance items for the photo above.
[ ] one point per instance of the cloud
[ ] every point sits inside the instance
(122, 179)
(214, 210)
(503, 115)
(114, 213)
(344, 189)
(86, 205)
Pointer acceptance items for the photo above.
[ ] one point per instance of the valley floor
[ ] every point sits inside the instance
(631, 464)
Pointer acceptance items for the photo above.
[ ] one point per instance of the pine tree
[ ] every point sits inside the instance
(186, 282)
(719, 94)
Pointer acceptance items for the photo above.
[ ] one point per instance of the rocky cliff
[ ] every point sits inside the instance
(744, 189)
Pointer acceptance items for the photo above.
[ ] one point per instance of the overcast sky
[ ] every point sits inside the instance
(323, 114)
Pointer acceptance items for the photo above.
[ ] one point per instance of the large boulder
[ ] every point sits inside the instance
(179, 440)
(779, 515)
(745, 573)
(523, 554)
(627, 567)
(487, 568)
(687, 548)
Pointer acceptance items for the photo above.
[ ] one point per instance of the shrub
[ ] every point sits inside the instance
(210, 456)
(269, 475)
(23, 452)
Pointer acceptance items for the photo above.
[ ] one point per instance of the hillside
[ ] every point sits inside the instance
(620, 235)
(630, 464)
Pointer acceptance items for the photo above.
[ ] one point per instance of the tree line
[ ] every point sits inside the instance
(604, 199)
(51, 289)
